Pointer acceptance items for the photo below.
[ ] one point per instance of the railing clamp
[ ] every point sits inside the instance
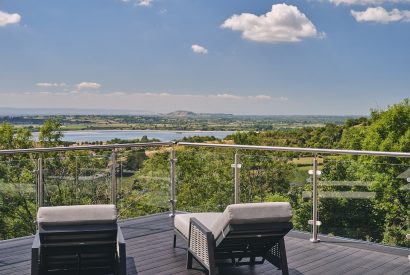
(318, 223)
(318, 172)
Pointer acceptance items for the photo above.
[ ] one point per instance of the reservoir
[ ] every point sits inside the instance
(162, 135)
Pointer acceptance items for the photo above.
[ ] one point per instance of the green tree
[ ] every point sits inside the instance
(134, 160)
(50, 133)
(387, 130)
(390, 131)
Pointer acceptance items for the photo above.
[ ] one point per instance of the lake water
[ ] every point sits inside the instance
(106, 135)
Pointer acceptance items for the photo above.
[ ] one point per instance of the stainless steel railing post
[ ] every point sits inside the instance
(172, 183)
(315, 223)
(237, 181)
(40, 183)
(76, 181)
(113, 199)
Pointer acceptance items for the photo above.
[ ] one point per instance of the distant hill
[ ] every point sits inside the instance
(193, 114)
(182, 113)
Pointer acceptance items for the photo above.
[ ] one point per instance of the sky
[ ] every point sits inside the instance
(307, 57)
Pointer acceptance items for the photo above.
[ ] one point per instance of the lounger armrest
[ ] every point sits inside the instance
(35, 255)
(121, 253)
(201, 243)
(199, 225)
(36, 241)
(120, 236)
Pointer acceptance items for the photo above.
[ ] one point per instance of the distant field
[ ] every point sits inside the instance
(166, 122)
(305, 161)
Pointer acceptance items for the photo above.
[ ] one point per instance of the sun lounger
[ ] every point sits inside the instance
(82, 239)
(253, 232)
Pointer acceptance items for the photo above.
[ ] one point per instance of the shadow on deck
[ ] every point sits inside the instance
(149, 251)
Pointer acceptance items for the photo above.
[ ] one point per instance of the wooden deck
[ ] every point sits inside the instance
(149, 251)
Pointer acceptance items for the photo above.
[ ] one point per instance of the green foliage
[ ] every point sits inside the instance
(148, 191)
(134, 160)
(200, 139)
(264, 174)
(362, 121)
(204, 179)
(273, 198)
(313, 137)
(17, 189)
(10, 138)
(386, 218)
(122, 141)
(50, 133)
(390, 129)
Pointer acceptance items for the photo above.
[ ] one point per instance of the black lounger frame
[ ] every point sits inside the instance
(237, 242)
(79, 249)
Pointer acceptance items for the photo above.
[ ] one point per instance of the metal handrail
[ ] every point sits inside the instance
(214, 145)
(300, 150)
(85, 147)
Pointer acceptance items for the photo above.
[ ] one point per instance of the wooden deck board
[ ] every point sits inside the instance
(150, 251)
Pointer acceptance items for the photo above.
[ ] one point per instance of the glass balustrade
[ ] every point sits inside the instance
(352, 196)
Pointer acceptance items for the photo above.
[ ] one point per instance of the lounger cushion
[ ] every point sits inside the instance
(181, 221)
(77, 215)
(252, 213)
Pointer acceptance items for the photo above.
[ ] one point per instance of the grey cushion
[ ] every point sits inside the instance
(181, 221)
(77, 215)
(246, 213)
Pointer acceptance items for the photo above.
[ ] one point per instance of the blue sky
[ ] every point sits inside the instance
(321, 57)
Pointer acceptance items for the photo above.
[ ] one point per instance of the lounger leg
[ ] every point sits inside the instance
(252, 260)
(189, 260)
(34, 262)
(283, 258)
(212, 270)
(35, 255)
(121, 254)
(175, 240)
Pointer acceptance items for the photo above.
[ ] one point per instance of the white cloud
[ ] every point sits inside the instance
(284, 23)
(367, 2)
(88, 86)
(380, 15)
(227, 96)
(145, 3)
(9, 18)
(48, 84)
(267, 97)
(199, 49)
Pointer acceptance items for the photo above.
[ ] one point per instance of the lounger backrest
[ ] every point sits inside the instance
(252, 213)
(86, 234)
(77, 214)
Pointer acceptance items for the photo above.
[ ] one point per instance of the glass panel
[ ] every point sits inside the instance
(17, 197)
(272, 176)
(204, 179)
(77, 178)
(143, 176)
(365, 198)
